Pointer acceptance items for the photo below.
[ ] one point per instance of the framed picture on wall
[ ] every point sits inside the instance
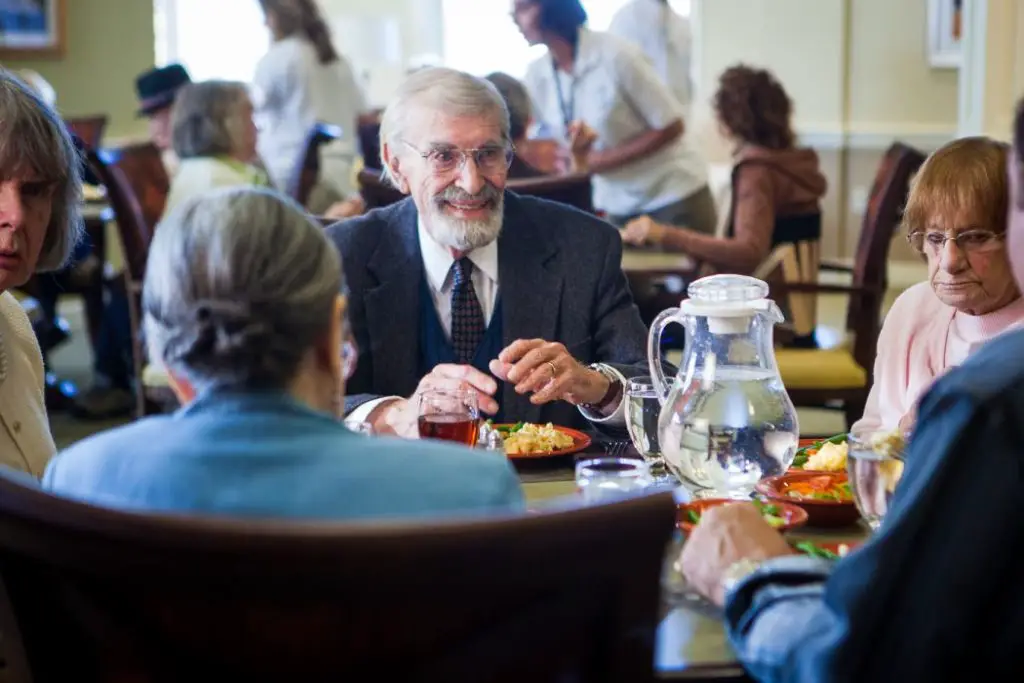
(32, 28)
(945, 28)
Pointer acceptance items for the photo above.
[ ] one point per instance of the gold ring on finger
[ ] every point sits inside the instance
(554, 370)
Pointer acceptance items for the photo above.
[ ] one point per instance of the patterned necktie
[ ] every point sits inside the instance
(467, 315)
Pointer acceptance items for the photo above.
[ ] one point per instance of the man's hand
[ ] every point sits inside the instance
(643, 230)
(725, 535)
(581, 141)
(401, 417)
(547, 369)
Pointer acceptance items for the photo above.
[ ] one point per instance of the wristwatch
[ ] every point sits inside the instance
(737, 571)
(614, 393)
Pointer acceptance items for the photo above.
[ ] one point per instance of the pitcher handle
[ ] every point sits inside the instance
(661, 384)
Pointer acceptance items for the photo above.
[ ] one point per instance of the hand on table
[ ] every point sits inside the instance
(725, 535)
(549, 371)
(401, 417)
(643, 230)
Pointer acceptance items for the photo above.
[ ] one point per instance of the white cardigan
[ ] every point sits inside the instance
(25, 440)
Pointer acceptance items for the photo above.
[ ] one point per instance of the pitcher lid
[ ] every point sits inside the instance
(727, 289)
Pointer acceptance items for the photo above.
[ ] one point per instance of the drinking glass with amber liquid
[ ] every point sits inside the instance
(450, 416)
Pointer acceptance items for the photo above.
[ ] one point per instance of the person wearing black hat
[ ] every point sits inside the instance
(156, 90)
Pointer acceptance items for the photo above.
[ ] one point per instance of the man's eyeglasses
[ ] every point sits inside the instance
(968, 241)
(445, 160)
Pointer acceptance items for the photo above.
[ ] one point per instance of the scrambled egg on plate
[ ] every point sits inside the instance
(830, 458)
(534, 438)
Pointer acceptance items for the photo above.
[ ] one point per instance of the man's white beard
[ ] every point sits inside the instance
(466, 235)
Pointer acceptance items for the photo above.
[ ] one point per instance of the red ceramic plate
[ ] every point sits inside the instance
(580, 442)
(823, 513)
(793, 515)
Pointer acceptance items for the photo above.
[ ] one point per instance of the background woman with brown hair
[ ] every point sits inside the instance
(302, 81)
(772, 177)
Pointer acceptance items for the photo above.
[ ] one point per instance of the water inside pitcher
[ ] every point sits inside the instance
(726, 420)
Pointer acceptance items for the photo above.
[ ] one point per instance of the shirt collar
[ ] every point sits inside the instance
(437, 260)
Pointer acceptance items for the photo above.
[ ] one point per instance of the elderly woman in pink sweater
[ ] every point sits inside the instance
(956, 218)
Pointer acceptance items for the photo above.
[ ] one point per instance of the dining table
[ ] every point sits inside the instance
(690, 642)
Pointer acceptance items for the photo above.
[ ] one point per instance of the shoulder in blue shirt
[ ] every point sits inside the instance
(266, 455)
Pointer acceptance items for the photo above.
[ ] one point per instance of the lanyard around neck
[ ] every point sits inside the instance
(566, 104)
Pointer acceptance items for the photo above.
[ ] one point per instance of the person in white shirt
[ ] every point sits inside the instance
(214, 137)
(300, 82)
(466, 284)
(665, 37)
(589, 80)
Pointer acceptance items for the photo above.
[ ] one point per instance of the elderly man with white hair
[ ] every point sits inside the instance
(466, 284)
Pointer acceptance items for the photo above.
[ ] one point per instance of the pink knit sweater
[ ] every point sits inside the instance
(921, 338)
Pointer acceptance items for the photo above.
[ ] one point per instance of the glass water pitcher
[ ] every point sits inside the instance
(726, 420)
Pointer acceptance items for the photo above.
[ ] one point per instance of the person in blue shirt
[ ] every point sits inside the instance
(935, 594)
(243, 303)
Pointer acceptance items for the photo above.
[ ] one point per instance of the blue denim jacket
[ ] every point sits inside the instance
(936, 594)
(267, 455)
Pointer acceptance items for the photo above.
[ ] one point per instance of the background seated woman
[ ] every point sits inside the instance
(40, 194)
(774, 182)
(536, 158)
(243, 303)
(956, 217)
(214, 136)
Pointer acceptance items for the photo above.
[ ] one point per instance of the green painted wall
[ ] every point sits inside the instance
(109, 42)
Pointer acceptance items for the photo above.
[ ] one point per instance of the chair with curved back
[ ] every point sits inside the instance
(101, 595)
(307, 168)
(137, 187)
(376, 191)
(89, 129)
(841, 377)
(573, 189)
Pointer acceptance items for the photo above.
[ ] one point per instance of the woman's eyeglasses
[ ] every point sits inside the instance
(968, 241)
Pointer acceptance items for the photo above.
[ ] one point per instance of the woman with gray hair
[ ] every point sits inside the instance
(214, 136)
(40, 194)
(243, 302)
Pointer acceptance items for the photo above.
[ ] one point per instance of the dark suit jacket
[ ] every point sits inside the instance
(560, 275)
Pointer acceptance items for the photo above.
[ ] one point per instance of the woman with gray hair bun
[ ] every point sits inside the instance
(40, 194)
(214, 136)
(244, 303)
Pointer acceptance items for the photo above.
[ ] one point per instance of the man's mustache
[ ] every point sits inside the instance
(489, 194)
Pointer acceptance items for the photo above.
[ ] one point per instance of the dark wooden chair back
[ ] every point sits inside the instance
(870, 267)
(307, 167)
(376, 191)
(369, 143)
(573, 189)
(102, 595)
(89, 129)
(137, 186)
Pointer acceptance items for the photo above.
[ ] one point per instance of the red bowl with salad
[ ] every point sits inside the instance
(782, 516)
(825, 496)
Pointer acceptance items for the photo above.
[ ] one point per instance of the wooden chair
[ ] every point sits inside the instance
(307, 168)
(89, 129)
(573, 189)
(841, 377)
(795, 258)
(368, 131)
(137, 186)
(105, 596)
(376, 191)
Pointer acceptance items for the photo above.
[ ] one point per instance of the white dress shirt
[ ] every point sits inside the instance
(437, 265)
(615, 90)
(294, 91)
(665, 37)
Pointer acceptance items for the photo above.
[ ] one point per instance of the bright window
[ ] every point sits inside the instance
(221, 39)
(500, 47)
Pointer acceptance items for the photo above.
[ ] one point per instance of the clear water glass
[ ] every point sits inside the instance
(643, 408)
(602, 480)
(873, 475)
